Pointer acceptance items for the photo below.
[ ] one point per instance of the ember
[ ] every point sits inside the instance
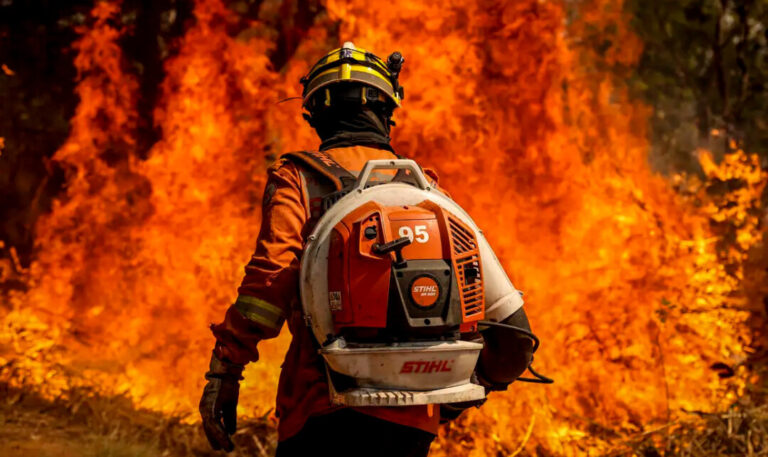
(625, 278)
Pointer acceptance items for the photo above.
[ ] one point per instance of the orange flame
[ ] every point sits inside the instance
(623, 277)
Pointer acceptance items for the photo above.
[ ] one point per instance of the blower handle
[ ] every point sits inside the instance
(396, 246)
(385, 164)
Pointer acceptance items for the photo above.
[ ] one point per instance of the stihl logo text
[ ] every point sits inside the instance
(425, 290)
(427, 366)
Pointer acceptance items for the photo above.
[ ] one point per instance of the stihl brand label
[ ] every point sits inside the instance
(427, 366)
(425, 291)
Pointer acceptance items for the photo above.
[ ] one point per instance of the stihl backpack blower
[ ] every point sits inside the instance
(395, 279)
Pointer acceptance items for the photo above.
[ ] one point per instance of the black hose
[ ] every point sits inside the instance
(538, 378)
(521, 330)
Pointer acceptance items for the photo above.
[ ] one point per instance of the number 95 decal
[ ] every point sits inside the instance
(418, 233)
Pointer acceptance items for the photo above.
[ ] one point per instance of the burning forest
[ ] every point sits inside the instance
(645, 286)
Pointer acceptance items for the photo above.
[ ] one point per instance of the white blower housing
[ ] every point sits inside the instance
(403, 255)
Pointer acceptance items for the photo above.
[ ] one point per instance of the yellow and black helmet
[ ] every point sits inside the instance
(331, 76)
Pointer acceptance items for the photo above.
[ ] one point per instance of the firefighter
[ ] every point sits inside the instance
(349, 96)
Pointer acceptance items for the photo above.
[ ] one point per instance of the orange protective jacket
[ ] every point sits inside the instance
(269, 296)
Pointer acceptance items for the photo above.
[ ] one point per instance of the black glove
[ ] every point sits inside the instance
(506, 354)
(218, 406)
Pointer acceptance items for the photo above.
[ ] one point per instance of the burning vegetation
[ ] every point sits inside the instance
(638, 285)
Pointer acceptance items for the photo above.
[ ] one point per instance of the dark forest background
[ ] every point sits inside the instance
(704, 70)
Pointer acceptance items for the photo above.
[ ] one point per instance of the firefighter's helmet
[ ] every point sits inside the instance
(353, 73)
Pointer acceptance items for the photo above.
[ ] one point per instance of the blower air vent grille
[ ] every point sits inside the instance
(466, 263)
(463, 239)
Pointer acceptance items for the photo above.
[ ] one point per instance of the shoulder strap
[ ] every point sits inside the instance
(338, 176)
(325, 165)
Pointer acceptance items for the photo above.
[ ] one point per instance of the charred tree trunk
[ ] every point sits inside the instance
(157, 25)
(37, 97)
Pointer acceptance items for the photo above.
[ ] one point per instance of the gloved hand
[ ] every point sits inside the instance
(218, 406)
(506, 355)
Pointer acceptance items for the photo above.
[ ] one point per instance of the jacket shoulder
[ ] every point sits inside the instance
(283, 165)
(295, 161)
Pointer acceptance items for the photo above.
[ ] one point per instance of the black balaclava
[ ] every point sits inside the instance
(351, 124)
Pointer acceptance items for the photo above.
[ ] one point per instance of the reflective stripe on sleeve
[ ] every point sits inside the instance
(260, 311)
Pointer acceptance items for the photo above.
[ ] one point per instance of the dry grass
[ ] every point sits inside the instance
(91, 425)
(741, 431)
